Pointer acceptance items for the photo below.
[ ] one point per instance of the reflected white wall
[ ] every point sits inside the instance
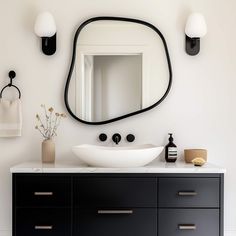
(117, 85)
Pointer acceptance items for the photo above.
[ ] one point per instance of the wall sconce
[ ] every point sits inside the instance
(45, 28)
(195, 29)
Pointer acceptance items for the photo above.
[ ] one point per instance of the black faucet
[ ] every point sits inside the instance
(116, 138)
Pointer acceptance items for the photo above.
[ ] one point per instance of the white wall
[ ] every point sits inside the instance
(200, 109)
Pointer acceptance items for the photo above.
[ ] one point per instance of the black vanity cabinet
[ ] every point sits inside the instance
(42, 205)
(117, 204)
(190, 206)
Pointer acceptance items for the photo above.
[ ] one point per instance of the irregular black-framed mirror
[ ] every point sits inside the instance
(120, 67)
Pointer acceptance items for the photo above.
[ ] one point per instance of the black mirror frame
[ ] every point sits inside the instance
(73, 63)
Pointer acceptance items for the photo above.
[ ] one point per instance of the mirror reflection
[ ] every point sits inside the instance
(120, 68)
(109, 82)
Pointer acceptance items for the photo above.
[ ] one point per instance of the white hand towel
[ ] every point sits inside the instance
(10, 118)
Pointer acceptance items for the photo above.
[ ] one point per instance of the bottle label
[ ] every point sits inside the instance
(172, 152)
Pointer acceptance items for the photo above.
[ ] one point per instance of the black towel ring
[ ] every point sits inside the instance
(12, 75)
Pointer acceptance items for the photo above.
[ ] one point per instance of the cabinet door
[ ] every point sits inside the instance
(42, 222)
(38, 190)
(189, 192)
(188, 222)
(126, 222)
(95, 192)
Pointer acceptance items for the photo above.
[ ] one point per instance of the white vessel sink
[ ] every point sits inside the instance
(130, 156)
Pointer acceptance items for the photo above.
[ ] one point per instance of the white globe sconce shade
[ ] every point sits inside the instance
(195, 29)
(45, 28)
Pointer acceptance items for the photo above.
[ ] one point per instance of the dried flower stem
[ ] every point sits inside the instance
(41, 132)
(40, 121)
(46, 119)
(54, 127)
(52, 122)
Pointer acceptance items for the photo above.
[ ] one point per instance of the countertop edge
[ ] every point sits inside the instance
(160, 167)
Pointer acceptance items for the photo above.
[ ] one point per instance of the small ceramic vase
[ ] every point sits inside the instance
(48, 151)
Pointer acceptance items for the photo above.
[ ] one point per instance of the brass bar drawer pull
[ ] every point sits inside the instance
(187, 227)
(115, 211)
(187, 193)
(43, 193)
(43, 227)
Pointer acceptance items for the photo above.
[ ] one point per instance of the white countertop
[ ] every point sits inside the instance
(76, 167)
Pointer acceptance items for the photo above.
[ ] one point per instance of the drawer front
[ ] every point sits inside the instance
(43, 191)
(189, 192)
(94, 192)
(43, 222)
(135, 222)
(188, 222)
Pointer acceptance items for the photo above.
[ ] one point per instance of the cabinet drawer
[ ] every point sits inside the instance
(42, 191)
(94, 192)
(43, 222)
(135, 222)
(189, 192)
(188, 222)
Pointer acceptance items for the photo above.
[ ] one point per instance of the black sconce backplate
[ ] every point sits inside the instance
(192, 46)
(49, 45)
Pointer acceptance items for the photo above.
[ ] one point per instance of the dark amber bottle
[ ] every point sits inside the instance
(171, 150)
